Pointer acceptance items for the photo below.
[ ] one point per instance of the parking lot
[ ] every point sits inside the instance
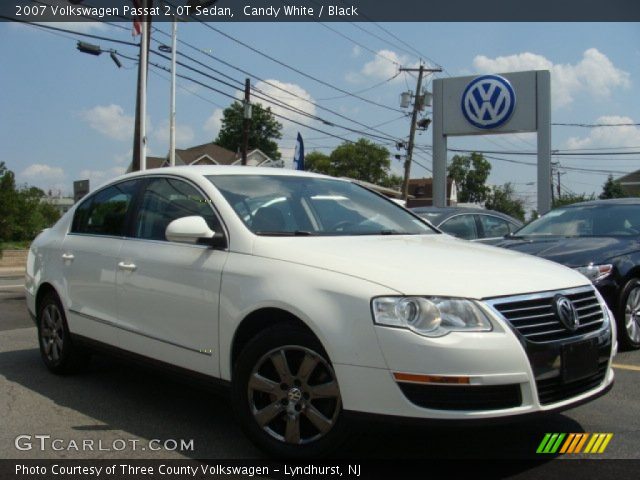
(114, 403)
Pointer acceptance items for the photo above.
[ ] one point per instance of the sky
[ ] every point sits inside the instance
(68, 116)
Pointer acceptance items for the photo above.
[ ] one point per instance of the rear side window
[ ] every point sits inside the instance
(105, 212)
(461, 226)
(494, 227)
(167, 199)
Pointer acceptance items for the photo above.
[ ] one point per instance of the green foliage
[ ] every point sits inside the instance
(24, 214)
(317, 162)
(533, 216)
(568, 199)
(612, 189)
(503, 199)
(362, 160)
(264, 129)
(470, 173)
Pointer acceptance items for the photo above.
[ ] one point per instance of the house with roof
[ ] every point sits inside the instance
(630, 184)
(212, 154)
(421, 192)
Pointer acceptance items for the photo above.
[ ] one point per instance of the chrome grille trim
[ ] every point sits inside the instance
(533, 315)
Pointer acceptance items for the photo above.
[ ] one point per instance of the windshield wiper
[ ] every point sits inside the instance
(295, 233)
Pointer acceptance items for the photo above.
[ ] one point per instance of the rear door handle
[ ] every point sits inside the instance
(129, 267)
(67, 257)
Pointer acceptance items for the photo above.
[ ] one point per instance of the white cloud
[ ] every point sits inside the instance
(294, 96)
(384, 65)
(111, 121)
(624, 136)
(356, 51)
(213, 123)
(43, 173)
(98, 177)
(594, 73)
(184, 134)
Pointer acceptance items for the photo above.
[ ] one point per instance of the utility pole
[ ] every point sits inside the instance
(172, 104)
(559, 191)
(417, 106)
(246, 119)
(139, 161)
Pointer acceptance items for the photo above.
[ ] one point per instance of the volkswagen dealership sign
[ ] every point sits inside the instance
(488, 101)
(499, 103)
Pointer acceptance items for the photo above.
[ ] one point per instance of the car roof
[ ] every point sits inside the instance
(206, 170)
(609, 201)
(445, 212)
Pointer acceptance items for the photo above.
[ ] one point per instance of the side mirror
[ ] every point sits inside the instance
(192, 230)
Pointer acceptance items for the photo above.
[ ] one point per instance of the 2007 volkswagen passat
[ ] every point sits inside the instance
(313, 298)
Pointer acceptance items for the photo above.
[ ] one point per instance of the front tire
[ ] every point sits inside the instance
(629, 316)
(286, 395)
(58, 352)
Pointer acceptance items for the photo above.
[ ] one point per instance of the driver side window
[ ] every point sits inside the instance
(167, 199)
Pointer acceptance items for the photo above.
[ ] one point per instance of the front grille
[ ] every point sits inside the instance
(462, 397)
(534, 316)
(555, 390)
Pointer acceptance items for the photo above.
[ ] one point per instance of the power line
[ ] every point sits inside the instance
(553, 152)
(287, 66)
(596, 125)
(267, 82)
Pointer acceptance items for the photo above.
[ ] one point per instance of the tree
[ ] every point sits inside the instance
(503, 199)
(470, 173)
(317, 162)
(264, 129)
(24, 214)
(362, 160)
(612, 189)
(570, 198)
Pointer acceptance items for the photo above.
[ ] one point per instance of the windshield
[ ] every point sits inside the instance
(587, 221)
(292, 205)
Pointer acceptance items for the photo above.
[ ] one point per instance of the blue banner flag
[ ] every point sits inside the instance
(298, 156)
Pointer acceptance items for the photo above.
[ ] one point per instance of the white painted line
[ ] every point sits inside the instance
(635, 368)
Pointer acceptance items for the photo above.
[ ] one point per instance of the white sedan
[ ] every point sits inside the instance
(312, 298)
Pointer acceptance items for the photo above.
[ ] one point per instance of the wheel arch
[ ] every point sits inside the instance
(260, 320)
(43, 290)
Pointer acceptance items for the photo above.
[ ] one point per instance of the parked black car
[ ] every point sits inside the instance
(475, 224)
(600, 239)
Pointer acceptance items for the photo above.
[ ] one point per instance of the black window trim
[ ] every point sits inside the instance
(91, 197)
(130, 229)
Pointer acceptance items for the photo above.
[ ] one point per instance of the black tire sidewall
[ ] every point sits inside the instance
(264, 342)
(623, 335)
(63, 364)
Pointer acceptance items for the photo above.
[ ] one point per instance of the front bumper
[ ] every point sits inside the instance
(506, 374)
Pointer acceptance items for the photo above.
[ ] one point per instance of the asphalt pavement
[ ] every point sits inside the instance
(114, 402)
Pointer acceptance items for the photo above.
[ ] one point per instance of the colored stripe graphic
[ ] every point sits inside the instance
(550, 443)
(574, 442)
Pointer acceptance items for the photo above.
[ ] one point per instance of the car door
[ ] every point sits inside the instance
(493, 229)
(168, 292)
(89, 255)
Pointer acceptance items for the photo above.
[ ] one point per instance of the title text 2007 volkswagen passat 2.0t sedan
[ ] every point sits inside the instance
(313, 298)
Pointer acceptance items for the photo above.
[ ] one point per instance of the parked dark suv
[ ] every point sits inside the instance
(600, 239)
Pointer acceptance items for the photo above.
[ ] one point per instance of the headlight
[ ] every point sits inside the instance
(431, 317)
(595, 273)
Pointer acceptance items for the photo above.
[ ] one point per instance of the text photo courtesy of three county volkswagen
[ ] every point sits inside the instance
(306, 240)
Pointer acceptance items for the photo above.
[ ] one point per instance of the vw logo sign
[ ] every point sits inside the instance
(488, 101)
(567, 313)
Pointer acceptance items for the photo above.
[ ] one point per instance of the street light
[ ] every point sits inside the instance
(92, 49)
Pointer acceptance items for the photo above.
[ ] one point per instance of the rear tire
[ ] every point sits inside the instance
(58, 352)
(286, 396)
(628, 317)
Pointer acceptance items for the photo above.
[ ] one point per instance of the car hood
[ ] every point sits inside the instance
(437, 265)
(574, 251)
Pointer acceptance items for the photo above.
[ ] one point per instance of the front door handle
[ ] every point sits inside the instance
(127, 266)
(68, 257)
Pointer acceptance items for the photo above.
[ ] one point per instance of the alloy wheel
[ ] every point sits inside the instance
(52, 333)
(632, 315)
(293, 395)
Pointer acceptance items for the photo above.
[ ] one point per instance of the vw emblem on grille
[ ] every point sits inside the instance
(488, 101)
(567, 313)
